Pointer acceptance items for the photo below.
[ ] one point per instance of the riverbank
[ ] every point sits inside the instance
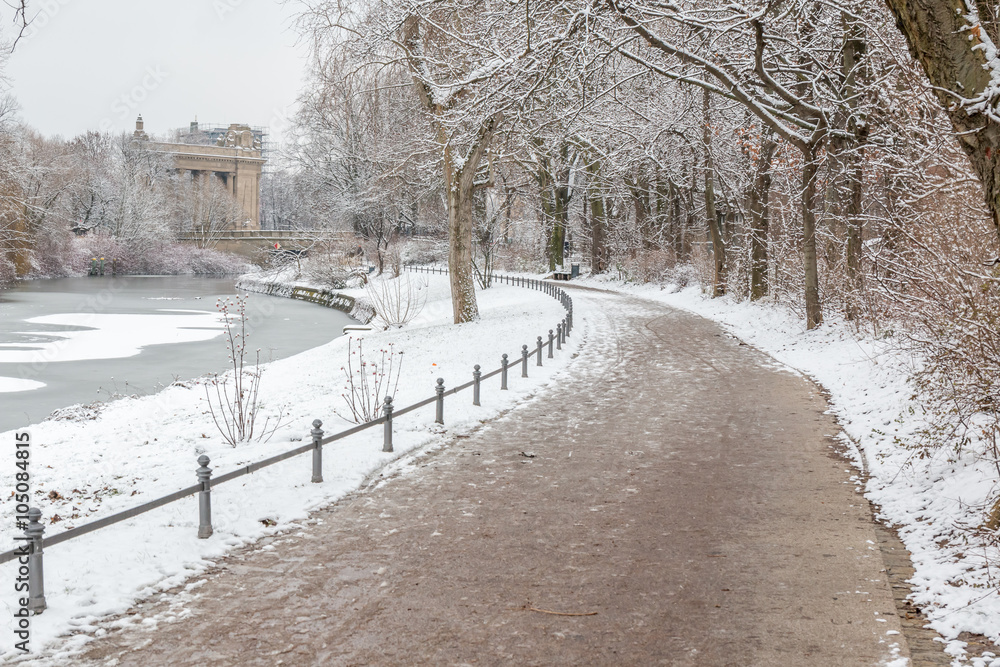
(287, 284)
(97, 463)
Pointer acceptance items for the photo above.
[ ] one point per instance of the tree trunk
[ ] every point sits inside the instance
(855, 68)
(714, 228)
(560, 218)
(854, 220)
(463, 288)
(598, 220)
(951, 52)
(814, 312)
(459, 183)
(760, 215)
(461, 186)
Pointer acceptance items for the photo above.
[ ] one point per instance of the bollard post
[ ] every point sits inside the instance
(387, 440)
(317, 435)
(538, 352)
(559, 336)
(551, 338)
(562, 331)
(36, 573)
(476, 375)
(503, 372)
(524, 361)
(439, 416)
(204, 498)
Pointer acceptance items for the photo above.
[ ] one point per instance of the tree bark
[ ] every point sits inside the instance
(461, 187)
(951, 52)
(598, 220)
(714, 227)
(760, 218)
(855, 68)
(814, 312)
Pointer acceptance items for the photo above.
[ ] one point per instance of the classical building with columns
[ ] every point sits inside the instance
(235, 160)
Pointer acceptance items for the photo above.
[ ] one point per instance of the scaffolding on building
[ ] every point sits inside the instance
(208, 134)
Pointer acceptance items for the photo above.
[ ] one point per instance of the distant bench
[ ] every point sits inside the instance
(574, 272)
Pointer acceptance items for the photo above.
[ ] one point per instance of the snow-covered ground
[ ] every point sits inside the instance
(934, 501)
(121, 454)
(114, 456)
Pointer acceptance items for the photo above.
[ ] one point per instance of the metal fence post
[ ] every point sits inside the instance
(538, 351)
(559, 336)
(476, 375)
(387, 440)
(524, 361)
(439, 416)
(317, 435)
(36, 572)
(503, 372)
(551, 338)
(204, 498)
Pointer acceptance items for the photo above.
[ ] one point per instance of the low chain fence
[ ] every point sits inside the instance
(34, 543)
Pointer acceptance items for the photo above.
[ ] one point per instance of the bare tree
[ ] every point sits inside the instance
(957, 46)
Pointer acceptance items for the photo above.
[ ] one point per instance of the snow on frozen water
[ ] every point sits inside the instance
(10, 385)
(110, 336)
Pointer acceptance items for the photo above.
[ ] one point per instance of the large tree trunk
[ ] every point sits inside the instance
(760, 215)
(714, 227)
(814, 311)
(461, 187)
(598, 220)
(463, 287)
(951, 52)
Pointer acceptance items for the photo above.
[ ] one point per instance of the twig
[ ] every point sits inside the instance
(563, 613)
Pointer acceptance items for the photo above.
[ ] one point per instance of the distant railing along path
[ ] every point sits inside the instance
(33, 543)
(265, 235)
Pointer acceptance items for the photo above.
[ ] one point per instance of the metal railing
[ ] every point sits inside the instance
(264, 234)
(30, 553)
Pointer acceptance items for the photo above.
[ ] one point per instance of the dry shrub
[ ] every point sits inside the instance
(398, 300)
(423, 251)
(646, 266)
(519, 255)
(332, 263)
(368, 380)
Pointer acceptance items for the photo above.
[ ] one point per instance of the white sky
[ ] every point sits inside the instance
(96, 64)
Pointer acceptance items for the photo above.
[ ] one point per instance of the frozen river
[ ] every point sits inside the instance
(79, 340)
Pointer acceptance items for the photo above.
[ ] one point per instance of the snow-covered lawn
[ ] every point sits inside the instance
(933, 501)
(118, 455)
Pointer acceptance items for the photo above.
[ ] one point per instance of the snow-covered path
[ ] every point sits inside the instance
(674, 481)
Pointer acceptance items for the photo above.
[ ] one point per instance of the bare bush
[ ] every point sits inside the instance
(399, 300)
(368, 382)
(234, 401)
(647, 266)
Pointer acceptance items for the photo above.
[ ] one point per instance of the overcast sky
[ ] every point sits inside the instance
(96, 64)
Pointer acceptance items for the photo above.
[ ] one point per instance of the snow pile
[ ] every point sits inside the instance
(108, 458)
(935, 501)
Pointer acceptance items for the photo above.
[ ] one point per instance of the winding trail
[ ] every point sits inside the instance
(679, 500)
